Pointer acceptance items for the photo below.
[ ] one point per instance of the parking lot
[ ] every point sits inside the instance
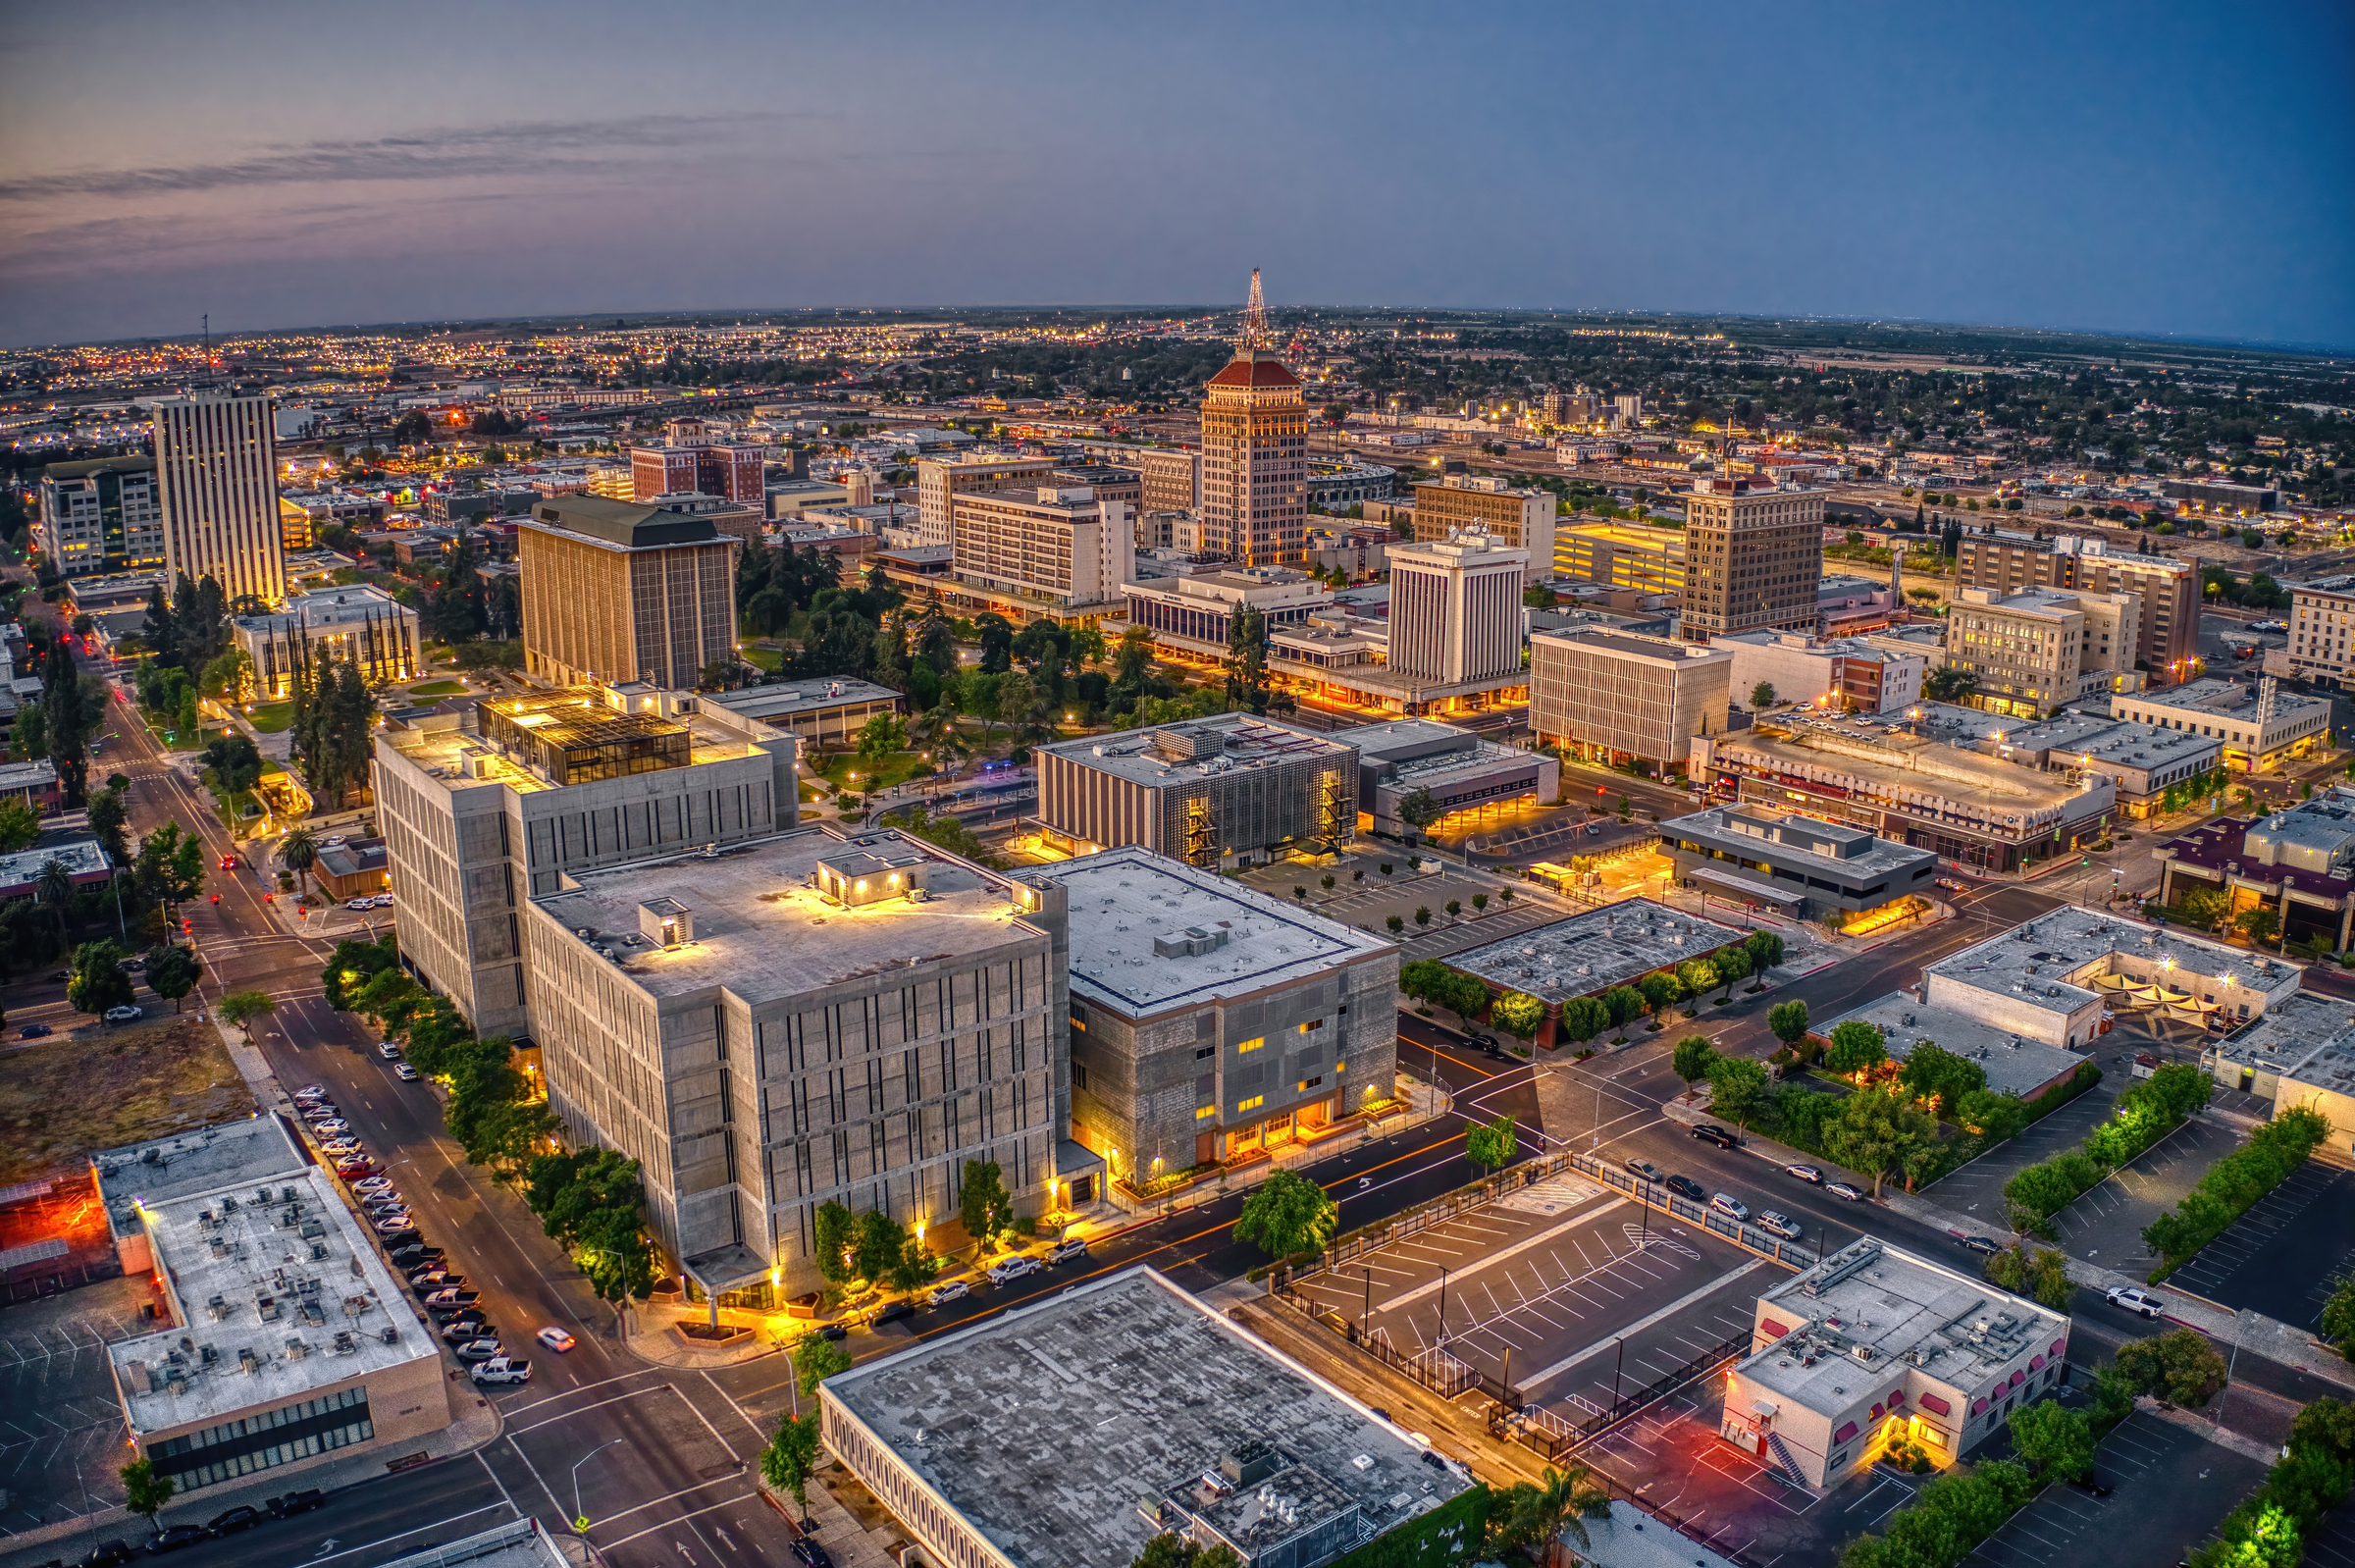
(2284, 1255)
(2105, 1225)
(2171, 1487)
(61, 1424)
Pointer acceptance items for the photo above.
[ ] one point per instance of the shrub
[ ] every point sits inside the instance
(2236, 1182)
(1519, 1013)
(1947, 1519)
(2179, 1366)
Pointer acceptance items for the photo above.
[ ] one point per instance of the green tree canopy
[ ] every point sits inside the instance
(97, 982)
(1876, 1131)
(1519, 1013)
(1287, 1214)
(1854, 1046)
(1788, 1020)
(1691, 1058)
(1496, 1145)
(2181, 1367)
(1738, 1087)
(983, 1201)
(172, 972)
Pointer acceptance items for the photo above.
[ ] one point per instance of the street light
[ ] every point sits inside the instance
(580, 1520)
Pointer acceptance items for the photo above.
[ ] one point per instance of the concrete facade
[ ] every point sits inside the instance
(1614, 695)
(2261, 728)
(1455, 609)
(1211, 792)
(216, 463)
(2167, 587)
(616, 592)
(2035, 652)
(1811, 868)
(1464, 504)
(1753, 557)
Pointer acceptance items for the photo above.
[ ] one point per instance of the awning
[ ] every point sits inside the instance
(1076, 1159)
(726, 1268)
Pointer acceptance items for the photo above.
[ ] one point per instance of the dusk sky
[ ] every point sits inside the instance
(2145, 168)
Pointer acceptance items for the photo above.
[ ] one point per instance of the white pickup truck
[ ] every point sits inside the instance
(503, 1369)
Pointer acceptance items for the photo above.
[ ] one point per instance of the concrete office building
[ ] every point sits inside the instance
(1467, 503)
(1873, 1346)
(1056, 551)
(356, 626)
(2321, 616)
(1799, 867)
(485, 809)
(1255, 452)
(939, 481)
(831, 709)
(285, 1342)
(1206, 1433)
(1753, 557)
(1108, 481)
(2262, 727)
(2300, 1053)
(2035, 652)
(216, 464)
(1616, 697)
(1469, 778)
(1455, 609)
(802, 1020)
(2299, 863)
(1844, 674)
(102, 516)
(1647, 560)
(616, 592)
(1211, 1022)
(2166, 587)
(1213, 792)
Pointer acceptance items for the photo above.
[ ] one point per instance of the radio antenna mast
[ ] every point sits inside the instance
(1255, 317)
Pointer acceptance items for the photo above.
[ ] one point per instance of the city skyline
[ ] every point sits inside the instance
(2178, 173)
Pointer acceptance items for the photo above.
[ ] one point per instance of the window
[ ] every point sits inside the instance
(1251, 1045)
(1078, 1076)
(1307, 1085)
(1252, 1104)
(1206, 1111)
(1206, 1053)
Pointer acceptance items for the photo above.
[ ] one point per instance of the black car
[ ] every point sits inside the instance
(106, 1553)
(1711, 1132)
(890, 1311)
(418, 1255)
(2093, 1486)
(830, 1331)
(32, 1031)
(1487, 1043)
(1983, 1244)
(296, 1503)
(241, 1517)
(176, 1537)
(811, 1554)
(1686, 1186)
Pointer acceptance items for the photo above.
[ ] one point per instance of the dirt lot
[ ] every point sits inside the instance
(97, 1089)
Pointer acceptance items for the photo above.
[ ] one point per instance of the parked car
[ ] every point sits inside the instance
(1848, 1191)
(107, 1554)
(1072, 1251)
(454, 1297)
(387, 1050)
(1646, 1169)
(333, 842)
(467, 1326)
(384, 1204)
(32, 1031)
(174, 1538)
(557, 1339)
(948, 1291)
(296, 1503)
(332, 1123)
(1806, 1172)
(1727, 1202)
(810, 1554)
(360, 904)
(437, 1278)
(345, 1149)
(126, 1014)
(310, 1088)
(358, 1167)
(1008, 1270)
(373, 1185)
(1485, 1043)
(1686, 1186)
(830, 1331)
(890, 1311)
(417, 1254)
(396, 1224)
(481, 1349)
(1987, 1246)
(503, 1369)
(1712, 1132)
(243, 1517)
(2132, 1299)
(1781, 1224)
(406, 1072)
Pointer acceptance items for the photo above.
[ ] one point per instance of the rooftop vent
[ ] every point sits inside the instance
(1249, 1462)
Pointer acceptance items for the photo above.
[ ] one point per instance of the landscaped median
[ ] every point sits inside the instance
(2144, 1113)
(2232, 1183)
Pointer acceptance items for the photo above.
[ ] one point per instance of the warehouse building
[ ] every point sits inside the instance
(2300, 1053)
(2013, 1064)
(1212, 792)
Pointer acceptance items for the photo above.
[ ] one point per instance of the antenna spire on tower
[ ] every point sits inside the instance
(1255, 317)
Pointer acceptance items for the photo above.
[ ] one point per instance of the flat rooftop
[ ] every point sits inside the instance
(82, 857)
(279, 1292)
(1628, 645)
(1594, 951)
(1898, 1310)
(2012, 1065)
(779, 704)
(762, 930)
(2118, 741)
(2216, 695)
(449, 749)
(2057, 961)
(1131, 907)
(198, 1160)
(1179, 753)
(518, 1544)
(1892, 759)
(1802, 842)
(1044, 1428)
(2306, 1037)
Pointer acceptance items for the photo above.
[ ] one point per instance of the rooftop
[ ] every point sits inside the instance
(2061, 960)
(82, 857)
(2093, 738)
(1255, 368)
(2221, 847)
(1869, 1306)
(2013, 1065)
(1149, 933)
(1627, 644)
(278, 1293)
(1418, 753)
(1907, 764)
(2308, 1037)
(329, 608)
(1179, 753)
(1594, 951)
(621, 524)
(1835, 850)
(518, 1544)
(761, 929)
(2215, 695)
(198, 1160)
(779, 704)
(1045, 1427)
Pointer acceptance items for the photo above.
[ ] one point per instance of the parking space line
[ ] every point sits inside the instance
(1681, 1304)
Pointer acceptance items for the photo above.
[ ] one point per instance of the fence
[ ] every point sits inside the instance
(1543, 1432)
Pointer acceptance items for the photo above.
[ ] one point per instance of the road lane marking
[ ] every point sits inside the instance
(650, 1529)
(489, 1507)
(514, 1432)
(1680, 1304)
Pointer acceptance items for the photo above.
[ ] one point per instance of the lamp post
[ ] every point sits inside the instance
(580, 1520)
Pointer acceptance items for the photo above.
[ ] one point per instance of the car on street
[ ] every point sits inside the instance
(1727, 1202)
(503, 1369)
(1646, 1169)
(1848, 1191)
(437, 1278)
(243, 1517)
(830, 1331)
(2269, 626)
(174, 1538)
(1781, 1224)
(406, 1072)
(481, 1349)
(333, 1123)
(228, 863)
(318, 1108)
(1008, 1270)
(1485, 1044)
(1987, 1246)
(557, 1339)
(2131, 1299)
(951, 1291)
(373, 1185)
(1712, 1132)
(387, 1050)
(810, 1554)
(416, 1255)
(32, 1031)
(467, 1326)
(360, 904)
(310, 1088)
(1950, 884)
(126, 1014)
(395, 1223)
(296, 1503)
(1806, 1172)
(107, 1554)
(890, 1311)
(1063, 1252)
(452, 1298)
(358, 1167)
(1686, 1186)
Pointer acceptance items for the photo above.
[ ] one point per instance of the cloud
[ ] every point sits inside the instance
(577, 146)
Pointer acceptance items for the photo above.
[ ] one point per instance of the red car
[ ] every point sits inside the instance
(228, 863)
(357, 1169)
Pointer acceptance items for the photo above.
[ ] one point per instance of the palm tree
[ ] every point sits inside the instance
(1558, 1505)
(298, 853)
(53, 890)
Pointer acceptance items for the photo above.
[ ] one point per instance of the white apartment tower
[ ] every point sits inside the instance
(216, 462)
(1455, 609)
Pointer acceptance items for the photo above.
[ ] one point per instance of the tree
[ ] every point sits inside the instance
(109, 817)
(1519, 1013)
(1496, 1145)
(2338, 1318)
(172, 972)
(1938, 1078)
(1990, 1115)
(1247, 661)
(1763, 695)
(2042, 1274)
(1696, 976)
(1732, 964)
(242, 1008)
(1788, 1022)
(1738, 1087)
(146, 1490)
(1856, 1045)
(2054, 1442)
(815, 1360)
(791, 1458)
(1171, 1550)
(1541, 1515)
(2262, 923)
(1287, 1214)
(2179, 1366)
(97, 982)
(1692, 1059)
(877, 1246)
(1951, 684)
(1420, 809)
(881, 736)
(20, 824)
(299, 851)
(1876, 1131)
(1622, 1002)
(984, 1203)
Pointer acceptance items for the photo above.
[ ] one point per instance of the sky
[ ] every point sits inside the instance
(2157, 167)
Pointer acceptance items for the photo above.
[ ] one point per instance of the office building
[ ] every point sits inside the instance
(2214, 497)
(1845, 674)
(2300, 1053)
(1469, 779)
(1874, 1346)
(2037, 650)
(102, 516)
(1980, 810)
(1617, 698)
(1624, 556)
(1456, 608)
(2299, 863)
(284, 1341)
(617, 593)
(2168, 588)
(687, 463)
(1255, 452)
(1194, 613)
(1211, 1022)
(355, 625)
(1753, 557)
(939, 481)
(1171, 479)
(828, 711)
(216, 464)
(804, 1020)
(1799, 867)
(2141, 761)
(1212, 792)
(1058, 551)
(790, 497)
(2262, 726)
(485, 809)
(2321, 615)
(1467, 503)
(85, 864)
(2013, 1064)
(1107, 481)
(1194, 1427)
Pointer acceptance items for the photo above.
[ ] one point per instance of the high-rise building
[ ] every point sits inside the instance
(2320, 622)
(939, 481)
(2168, 586)
(1522, 519)
(101, 515)
(1615, 697)
(1053, 551)
(615, 593)
(1255, 452)
(686, 462)
(1456, 608)
(216, 461)
(2033, 651)
(1753, 557)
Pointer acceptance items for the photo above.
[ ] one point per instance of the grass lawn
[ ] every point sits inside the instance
(811, 793)
(896, 768)
(91, 1087)
(439, 689)
(767, 659)
(271, 717)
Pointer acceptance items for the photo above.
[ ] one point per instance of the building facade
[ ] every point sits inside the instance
(939, 481)
(1255, 453)
(102, 516)
(2298, 862)
(1456, 608)
(1616, 697)
(216, 462)
(2166, 587)
(2262, 727)
(1055, 550)
(617, 593)
(2036, 650)
(1844, 674)
(1800, 865)
(1753, 557)
(728, 473)
(1463, 503)
(1468, 779)
(356, 626)
(1213, 792)
(1646, 561)
(2320, 617)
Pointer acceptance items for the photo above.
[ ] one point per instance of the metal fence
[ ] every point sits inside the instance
(1724, 1227)
(1543, 1432)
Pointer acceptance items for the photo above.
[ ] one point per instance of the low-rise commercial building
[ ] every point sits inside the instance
(2300, 1053)
(2141, 761)
(1586, 955)
(1212, 792)
(1211, 1022)
(1873, 1346)
(85, 861)
(1616, 697)
(2299, 863)
(2214, 497)
(35, 783)
(353, 625)
(1847, 675)
(2262, 727)
(2013, 1064)
(1801, 866)
(828, 711)
(1467, 778)
(2035, 652)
